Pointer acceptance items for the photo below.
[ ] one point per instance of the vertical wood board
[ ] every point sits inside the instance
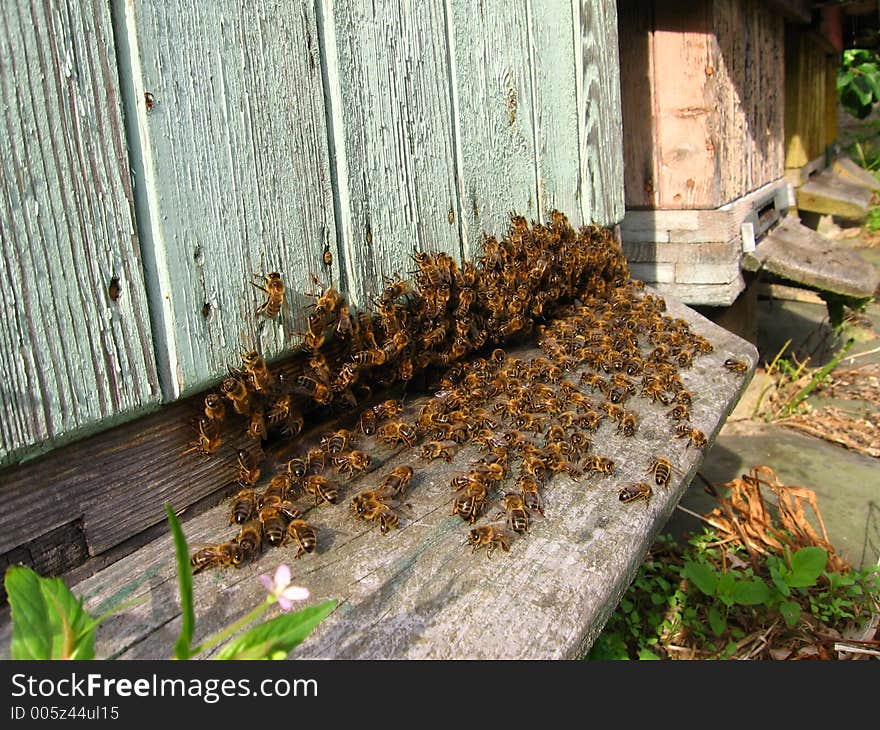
(73, 357)
(600, 112)
(389, 89)
(493, 90)
(805, 99)
(235, 178)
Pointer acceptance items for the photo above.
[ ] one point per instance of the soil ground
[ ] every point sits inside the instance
(846, 480)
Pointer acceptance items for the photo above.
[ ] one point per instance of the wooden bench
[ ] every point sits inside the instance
(419, 591)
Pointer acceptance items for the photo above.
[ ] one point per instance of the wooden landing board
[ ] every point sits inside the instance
(853, 173)
(799, 254)
(418, 592)
(829, 194)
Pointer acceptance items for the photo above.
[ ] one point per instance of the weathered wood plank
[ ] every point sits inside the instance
(555, 59)
(805, 98)
(495, 102)
(75, 345)
(829, 194)
(602, 197)
(114, 482)
(388, 74)
(418, 592)
(235, 178)
(850, 172)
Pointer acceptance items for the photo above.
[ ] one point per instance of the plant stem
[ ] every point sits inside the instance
(816, 379)
(233, 627)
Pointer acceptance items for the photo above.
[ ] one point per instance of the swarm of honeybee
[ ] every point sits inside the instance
(606, 342)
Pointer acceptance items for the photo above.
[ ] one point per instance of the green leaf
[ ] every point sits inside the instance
(779, 581)
(791, 612)
(702, 576)
(278, 637)
(717, 620)
(48, 621)
(725, 588)
(609, 646)
(183, 645)
(807, 564)
(750, 592)
(647, 654)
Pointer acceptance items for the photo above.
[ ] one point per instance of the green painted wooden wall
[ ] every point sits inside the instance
(275, 130)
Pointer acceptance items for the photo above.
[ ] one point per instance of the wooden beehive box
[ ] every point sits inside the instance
(703, 98)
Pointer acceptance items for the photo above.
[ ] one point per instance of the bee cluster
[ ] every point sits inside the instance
(532, 418)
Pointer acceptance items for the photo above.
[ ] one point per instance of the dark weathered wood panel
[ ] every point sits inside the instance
(418, 592)
(234, 179)
(73, 355)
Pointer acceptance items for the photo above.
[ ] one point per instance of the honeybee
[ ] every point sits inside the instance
(215, 409)
(694, 435)
(346, 377)
(279, 486)
(301, 532)
(297, 468)
(736, 366)
(369, 358)
(336, 442)
(517, 514)
(236, 391)
(212, 556)
(255, 366)
(530, 491)
(534, 466)
(321, 488)
(491, 536)
(274, 525)
(244, 505)
(680, 412)
(319, 391)
(289, 511)
(599, 464)
(208, 441)
(368, 423)
(628, 424)
(398, 432)
(315, 460)
(351, 462)
(661, 468)
(250, 538)
(257, 428)
(274, 290)
(468, 506)
(248, 468)
(398, 479)
(440, 450)
(373, 509)
(326, 304)
(634, 492)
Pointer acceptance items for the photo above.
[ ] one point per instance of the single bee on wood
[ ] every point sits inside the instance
(517, 513)
(215, 409)
(736, 366)
(397, 479)
(209, 439)
(244, 506)
(302, 534)
(634, 492)
(398, 432)
(250, 538)
(238, 394)
(351, 462)
(274, 290)
(224, 554)
(694, 436)
(321, 488)
(661, 468)
(255, 366)
(491, 537)
(334, 443)
(274, 525)
(440, 450)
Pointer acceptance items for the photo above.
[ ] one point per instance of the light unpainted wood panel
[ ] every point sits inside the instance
(235, 177)
(388, 82)
(636, 41)
(73, 358)
(493, 95)
(600, 111)
(687, 158)
(554, 57)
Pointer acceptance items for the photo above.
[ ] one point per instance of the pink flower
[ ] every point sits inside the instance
(280, 588)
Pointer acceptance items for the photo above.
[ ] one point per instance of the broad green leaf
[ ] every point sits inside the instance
(862, 89)
(807, 564)
(702, 576)
(717, 619)
(791, 612)
(608, 646)
(183, 645)
(750, 592)
(779, 581)
(869, 74)
(48, 621)
(724, 589)
(838, 580)
(278, 637)
(647, 654)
